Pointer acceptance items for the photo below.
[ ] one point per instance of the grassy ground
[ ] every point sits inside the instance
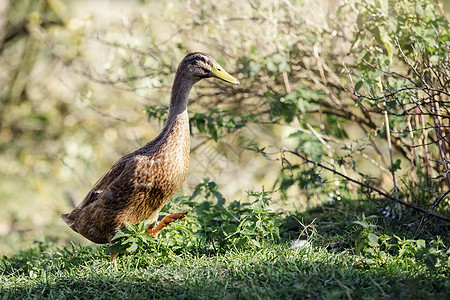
(346, 255)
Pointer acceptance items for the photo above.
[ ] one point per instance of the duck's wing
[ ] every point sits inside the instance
(102, 184)
(119, 196)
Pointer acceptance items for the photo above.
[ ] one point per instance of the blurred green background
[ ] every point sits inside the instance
(79, 79)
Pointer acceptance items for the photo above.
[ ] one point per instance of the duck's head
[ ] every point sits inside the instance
(198, 65)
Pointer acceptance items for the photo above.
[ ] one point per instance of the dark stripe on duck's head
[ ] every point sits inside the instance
(194, 56)
(197, 64)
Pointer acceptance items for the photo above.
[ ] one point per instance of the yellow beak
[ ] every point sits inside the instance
(219, 72)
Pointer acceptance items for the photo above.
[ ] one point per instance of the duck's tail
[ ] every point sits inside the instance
(66, 218)
(87, 230)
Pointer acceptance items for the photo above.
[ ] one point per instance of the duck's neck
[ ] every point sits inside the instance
(179, 95)
(176, 129)
(178, 115)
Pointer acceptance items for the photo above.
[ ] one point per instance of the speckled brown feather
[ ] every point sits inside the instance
(137, 186)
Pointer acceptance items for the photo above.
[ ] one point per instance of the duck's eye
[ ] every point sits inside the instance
(218, 69)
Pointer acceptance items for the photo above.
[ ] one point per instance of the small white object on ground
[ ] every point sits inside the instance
(299, 244)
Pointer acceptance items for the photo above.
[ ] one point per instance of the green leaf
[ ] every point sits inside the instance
(119, 235)
(386, 40)
(358, 85)
(133, 247)
(271, 67)
(115, 248)
(360, 21)
(395, 166)
(391, 105)
(373, 240)
(431, 261)
(144, 225)
(364, 224)
(314, 149)
(421, 243)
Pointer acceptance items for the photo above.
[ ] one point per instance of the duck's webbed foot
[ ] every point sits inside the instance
(164, 222)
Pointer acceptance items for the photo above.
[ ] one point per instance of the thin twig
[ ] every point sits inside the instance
(383, 294)
(388, 135)
(436, 203)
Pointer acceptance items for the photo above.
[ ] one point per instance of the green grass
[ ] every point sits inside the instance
(349, 256)
(271, 272)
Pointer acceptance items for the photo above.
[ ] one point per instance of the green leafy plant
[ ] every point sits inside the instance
(256, 226)
(294, 104)
(435, 255)
(295, 175)
(132, 238)
(364, 235)
(216, 123)
(212, 226)
(156, 112)
(236, 225)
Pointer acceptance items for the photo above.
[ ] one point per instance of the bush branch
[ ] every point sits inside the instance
(428, 213)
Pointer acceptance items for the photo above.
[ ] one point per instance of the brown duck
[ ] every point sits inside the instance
(139, 184)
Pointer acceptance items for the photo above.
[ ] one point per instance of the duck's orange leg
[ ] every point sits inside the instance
(164, 222)
(113, 260)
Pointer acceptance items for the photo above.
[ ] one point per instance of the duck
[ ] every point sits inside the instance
(140, 183)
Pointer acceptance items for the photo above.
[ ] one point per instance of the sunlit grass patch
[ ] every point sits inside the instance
(358, 259)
